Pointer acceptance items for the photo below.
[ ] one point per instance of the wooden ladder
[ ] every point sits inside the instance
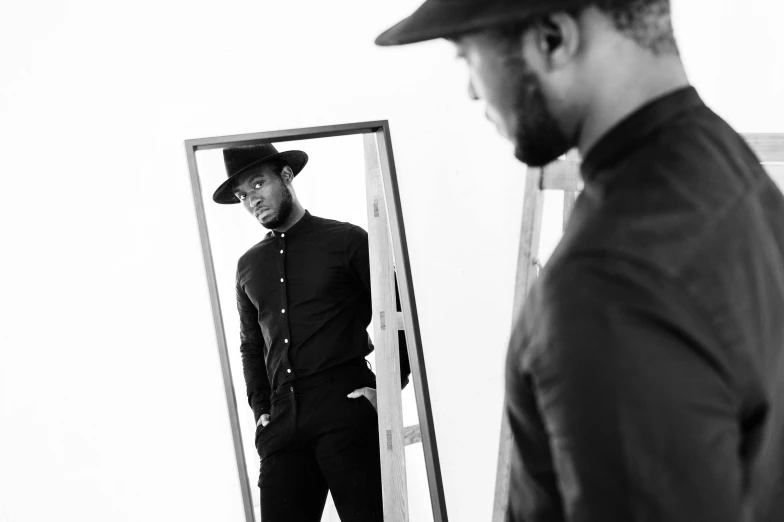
(388, 257)
(564, 175)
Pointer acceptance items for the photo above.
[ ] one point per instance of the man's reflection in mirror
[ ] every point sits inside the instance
(303, 295)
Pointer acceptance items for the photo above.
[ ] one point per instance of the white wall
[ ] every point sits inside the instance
(111, 402)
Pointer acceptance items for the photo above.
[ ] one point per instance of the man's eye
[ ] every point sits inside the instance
(258, 184)
(241, 196)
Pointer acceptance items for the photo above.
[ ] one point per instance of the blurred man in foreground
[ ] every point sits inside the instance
(645, 375)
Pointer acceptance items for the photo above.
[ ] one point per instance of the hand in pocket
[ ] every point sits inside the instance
(368, 393)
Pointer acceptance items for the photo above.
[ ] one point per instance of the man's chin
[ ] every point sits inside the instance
(268, 223)
(538, 157)
(532, 161)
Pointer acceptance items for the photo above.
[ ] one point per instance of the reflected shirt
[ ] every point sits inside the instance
(645, 374)
(304, 304)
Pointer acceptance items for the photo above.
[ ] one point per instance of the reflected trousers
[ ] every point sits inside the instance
(318, 440)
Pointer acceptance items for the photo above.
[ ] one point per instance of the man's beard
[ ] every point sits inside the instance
(537, 138)
(283, 213)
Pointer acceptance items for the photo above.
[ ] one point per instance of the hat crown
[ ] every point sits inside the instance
(449, 18)
(238, 158)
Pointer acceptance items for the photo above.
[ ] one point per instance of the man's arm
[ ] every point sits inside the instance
(619, 403)
(254, 369)
(359, 260)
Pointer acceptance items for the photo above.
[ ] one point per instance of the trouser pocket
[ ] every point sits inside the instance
(280, 431)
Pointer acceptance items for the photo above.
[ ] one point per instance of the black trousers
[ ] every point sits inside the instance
(317, 440)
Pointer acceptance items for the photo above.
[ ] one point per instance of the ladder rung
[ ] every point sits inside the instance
(400, 325)
(562, 175)
(411, 435)
(768, 147)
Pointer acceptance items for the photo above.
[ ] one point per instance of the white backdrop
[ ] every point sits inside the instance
(111, 403)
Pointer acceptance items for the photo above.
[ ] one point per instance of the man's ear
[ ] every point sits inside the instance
(287, 174)
(557, 39)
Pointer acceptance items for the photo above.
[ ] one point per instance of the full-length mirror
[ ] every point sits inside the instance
(284, 219)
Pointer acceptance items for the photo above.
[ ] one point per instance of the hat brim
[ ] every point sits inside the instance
(436, 19)
(296, 159)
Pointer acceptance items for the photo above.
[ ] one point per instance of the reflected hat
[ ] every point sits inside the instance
(444, 18)
(241, 159)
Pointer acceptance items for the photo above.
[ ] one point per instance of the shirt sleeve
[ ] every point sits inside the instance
(254, 368)
(359, 261)
(620, 403)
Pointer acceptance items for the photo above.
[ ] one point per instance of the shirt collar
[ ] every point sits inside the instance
(628, 135)
(300, 225)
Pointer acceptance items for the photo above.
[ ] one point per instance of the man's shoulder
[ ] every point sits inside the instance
(697, 158)
(259, 249)
(705, 144)
(333, 225)
(665, 206)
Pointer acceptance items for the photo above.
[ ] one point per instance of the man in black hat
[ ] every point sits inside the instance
(645, 375)
(303, 295)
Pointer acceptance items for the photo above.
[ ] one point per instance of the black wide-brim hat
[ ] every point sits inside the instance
(447, 18)
(240, 159)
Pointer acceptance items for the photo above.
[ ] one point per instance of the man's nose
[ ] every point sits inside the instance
(254, 199)
(471, 92)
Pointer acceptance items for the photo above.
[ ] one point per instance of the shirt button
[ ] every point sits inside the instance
(283, 235)
(292, 388)
(281, 279)
(283, 311)
(286, 341)
(281, 251)
(288, 371)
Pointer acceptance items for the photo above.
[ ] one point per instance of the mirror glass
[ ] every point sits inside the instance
(331, 185)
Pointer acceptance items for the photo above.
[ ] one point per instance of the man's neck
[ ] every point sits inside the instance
(617, 98)
(297, 213)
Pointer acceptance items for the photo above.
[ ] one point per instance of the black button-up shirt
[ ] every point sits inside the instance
(645, 376)
(304, 304)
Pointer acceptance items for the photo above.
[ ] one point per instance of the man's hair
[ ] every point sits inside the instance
(646, 22)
